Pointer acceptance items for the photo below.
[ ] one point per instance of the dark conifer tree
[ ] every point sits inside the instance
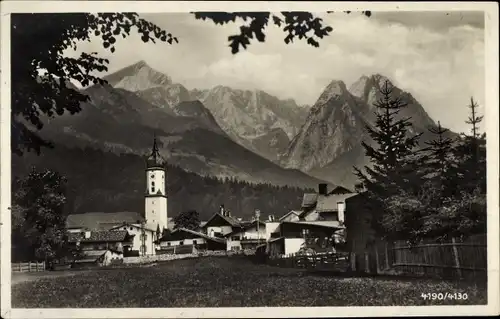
(394, 172)
(439, 160)
(470, 155)
(463, 210)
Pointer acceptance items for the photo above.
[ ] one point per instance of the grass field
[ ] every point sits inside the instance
(227, 282)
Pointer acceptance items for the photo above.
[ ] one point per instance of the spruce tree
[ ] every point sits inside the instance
(394, 170)
(465, 210)
(470, 155)
(439, 159)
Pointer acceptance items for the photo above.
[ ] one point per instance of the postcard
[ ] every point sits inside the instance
(183, 159)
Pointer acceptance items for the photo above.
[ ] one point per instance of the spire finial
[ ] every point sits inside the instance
(155, 151)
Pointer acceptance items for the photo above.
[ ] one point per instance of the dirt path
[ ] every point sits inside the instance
(20, 277)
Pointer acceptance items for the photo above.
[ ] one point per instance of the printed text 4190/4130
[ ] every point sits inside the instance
(444, 296)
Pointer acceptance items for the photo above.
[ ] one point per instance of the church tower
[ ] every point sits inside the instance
(156, 195)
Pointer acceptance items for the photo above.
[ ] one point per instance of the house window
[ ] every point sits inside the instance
(152, 189)
(195, 242)
(131, 228)
(181, 243)
(168, 244)
(235, 238)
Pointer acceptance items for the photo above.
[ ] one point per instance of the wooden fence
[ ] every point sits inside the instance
(28, 267)
(452, 259)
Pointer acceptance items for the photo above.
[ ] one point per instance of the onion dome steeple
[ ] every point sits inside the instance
(155, 159)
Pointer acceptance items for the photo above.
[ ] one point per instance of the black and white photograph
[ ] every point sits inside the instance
(226, 157)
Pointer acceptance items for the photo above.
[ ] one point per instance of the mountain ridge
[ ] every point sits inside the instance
(245, 115)
(329, 142)
(119, 120)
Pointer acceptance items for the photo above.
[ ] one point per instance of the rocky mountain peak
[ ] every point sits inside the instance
(137, 77)
(367, 87)
(335, 89)
(380, 80)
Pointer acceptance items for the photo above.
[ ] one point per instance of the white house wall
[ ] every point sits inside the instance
(248, 234)
(293, 245)
(199, 241)
(219, 229)
(272, 227)
(312, 216)
(137, 242)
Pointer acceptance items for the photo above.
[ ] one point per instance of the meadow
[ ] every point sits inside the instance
(228, 282)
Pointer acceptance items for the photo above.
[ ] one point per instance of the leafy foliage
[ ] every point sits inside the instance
(295, 24)
(39, 41)
(187, 220)
(38, 227)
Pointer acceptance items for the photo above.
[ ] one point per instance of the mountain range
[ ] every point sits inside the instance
(329, 142)
(224, 132)
(120, 117)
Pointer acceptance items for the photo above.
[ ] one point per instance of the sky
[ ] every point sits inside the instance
(436, 56)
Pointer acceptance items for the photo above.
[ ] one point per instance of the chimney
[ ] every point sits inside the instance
(228, 213)
(222, 211)
(341, 211)
(322, 188)
(87, 234)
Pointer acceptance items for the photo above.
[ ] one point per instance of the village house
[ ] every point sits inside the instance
(132, 222)
(144, 238)
(249, 236)
(222, 223)
(319, 225)
(100, 247)
(187, 241)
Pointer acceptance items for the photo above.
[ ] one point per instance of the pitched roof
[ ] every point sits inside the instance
(294, 212)
(328, 203)
(328, 224)
(245, 227)
(146, 226)
(340, 190)
(100, 220)
(100, 236)
(309, 200)
(230, 220)
(219, 240)
(179, 234)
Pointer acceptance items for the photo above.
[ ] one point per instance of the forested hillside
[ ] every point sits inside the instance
(103, 181)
